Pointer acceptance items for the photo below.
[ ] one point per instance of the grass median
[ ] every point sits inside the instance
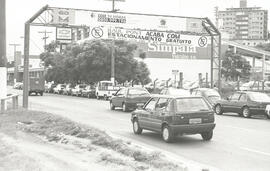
(108, 150)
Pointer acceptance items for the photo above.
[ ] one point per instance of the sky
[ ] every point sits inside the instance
(19, 11)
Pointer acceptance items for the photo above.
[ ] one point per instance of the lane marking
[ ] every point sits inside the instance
(255, 151)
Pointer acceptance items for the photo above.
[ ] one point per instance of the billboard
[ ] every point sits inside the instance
(63, 16)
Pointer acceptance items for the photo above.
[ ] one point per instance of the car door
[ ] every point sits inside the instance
(230, 105)
(159, 112)
(242, 102)
(146, 114)
(118, 99)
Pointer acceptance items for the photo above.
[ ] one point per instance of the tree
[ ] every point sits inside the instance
(91, 62)
(234, 66)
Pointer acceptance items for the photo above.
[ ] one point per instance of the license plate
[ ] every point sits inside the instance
(195, 121)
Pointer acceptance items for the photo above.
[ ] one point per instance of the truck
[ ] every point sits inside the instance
(36, 85)
(105, 89)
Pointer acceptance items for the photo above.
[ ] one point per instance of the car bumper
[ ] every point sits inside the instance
(133, 106)
(192, 128)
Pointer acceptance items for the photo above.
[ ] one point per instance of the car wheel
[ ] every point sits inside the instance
(136, 127)
(218, 109)
(206, 136)
(41, 93)
(167, 134)
(124, 107)
(246, 112)
(105, 97)
(89, 96)
(112, 107)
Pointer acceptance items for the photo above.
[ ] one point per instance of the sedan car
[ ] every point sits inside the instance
(211, 95)
(129, 98)
(59, 88)
(175, 115)
(77, 90)
(245, 103)
(89, 91)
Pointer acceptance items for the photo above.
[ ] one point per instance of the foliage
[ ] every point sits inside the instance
(234, 66)
(91, 62)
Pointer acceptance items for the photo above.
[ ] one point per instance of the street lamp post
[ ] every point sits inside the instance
(15, 62)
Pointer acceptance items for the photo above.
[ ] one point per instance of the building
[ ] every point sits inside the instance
(15, 74)
(245, 25)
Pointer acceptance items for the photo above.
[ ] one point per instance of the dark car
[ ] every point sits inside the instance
(129, 98)
(245, 103)
(89, 91)
(211, 95)
(172, 116)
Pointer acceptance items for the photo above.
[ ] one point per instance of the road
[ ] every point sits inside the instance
(238, 143)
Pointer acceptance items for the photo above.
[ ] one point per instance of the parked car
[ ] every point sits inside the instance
(129, 98)
(18, 85)
(175, 115)
(245, 103)
(174, 91)
(77, 90)
(211, 95)
(59, 88)
(89, 91)
(105, 89)
(67, 89)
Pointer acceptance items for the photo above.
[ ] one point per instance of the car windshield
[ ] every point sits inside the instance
(82, 86)
(137, 91)
(191, 105)
(259, 97)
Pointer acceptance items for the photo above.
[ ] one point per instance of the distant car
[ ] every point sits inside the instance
(67, 89)
(174, 92)
(245, 103)
(89, 91)
(129, 98)
(59, 88)
(18, 85)
(36, 85)
(211, 95)
(77, 90)
(175, 115)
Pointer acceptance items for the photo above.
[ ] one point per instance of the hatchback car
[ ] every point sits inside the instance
(59, 88)
(211, 95)
(245, 103)
(129, 98)
(172, 116)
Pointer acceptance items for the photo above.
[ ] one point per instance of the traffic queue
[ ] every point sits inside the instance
(170, 111)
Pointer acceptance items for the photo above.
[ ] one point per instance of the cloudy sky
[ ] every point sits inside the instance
(18, 11)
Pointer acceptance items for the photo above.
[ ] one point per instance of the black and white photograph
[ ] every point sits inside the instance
(134, 85)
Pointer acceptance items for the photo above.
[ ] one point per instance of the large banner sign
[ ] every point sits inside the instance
(157, 37)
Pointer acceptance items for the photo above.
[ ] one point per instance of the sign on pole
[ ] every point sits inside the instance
(64, 35)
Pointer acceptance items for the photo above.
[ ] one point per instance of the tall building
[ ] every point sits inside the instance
(245, 25)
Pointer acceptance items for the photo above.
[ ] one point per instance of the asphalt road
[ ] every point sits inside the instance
(238, 143)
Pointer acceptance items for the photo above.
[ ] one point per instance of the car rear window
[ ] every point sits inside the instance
(191, 105)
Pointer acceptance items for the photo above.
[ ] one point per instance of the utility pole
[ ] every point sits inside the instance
(45, 32)
(15, 62)
(3, 60)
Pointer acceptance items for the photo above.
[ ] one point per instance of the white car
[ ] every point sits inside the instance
(59, 88)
